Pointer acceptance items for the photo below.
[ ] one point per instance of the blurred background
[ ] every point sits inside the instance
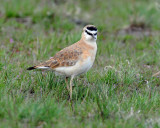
(126, 28)
(128, 55)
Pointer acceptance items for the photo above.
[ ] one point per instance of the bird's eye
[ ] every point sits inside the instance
(95, 34)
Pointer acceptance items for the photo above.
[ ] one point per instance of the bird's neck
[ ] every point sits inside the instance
(88, 42)
(91, 44)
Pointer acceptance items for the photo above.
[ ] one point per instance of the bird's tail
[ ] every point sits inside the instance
(37, 67)
(42, 66)
(31, 68)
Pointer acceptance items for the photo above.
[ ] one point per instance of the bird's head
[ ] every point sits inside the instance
(90, 33)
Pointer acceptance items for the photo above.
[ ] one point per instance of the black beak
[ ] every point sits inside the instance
(93, 36)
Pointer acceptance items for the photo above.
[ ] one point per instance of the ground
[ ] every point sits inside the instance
(119, 91)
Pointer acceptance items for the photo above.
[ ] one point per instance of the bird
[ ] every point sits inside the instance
(75, 59)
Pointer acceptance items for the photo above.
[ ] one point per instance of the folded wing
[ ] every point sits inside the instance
(64, 58)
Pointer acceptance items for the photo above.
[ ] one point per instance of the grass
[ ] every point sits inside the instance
(119, 91)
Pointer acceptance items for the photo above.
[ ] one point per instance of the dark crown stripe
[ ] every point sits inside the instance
(92, 28)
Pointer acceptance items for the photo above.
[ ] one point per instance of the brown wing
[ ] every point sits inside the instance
(66, 57)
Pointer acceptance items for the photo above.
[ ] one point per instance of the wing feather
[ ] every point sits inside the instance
(64, 58)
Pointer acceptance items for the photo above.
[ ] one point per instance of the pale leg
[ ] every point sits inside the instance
(66, 79)
(71, 84)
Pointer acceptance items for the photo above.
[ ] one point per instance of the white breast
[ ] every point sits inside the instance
(82, 66)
